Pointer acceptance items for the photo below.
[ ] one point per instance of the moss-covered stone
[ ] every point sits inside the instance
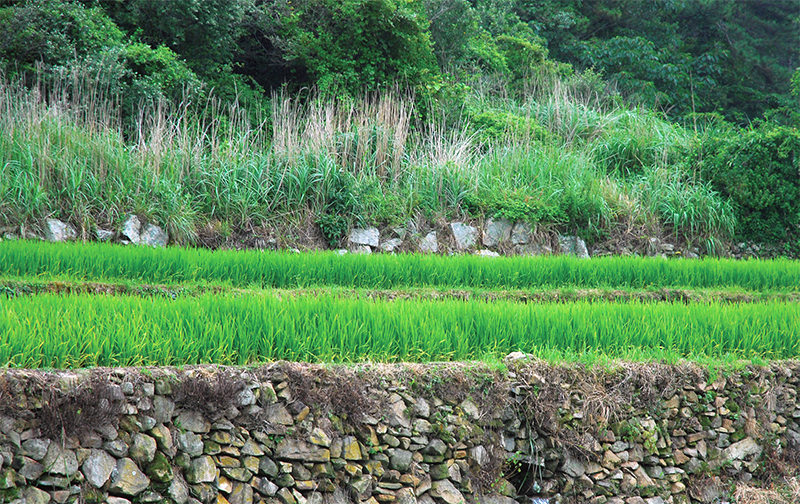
(160, 469)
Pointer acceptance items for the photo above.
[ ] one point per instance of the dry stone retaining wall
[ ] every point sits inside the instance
(407, 434)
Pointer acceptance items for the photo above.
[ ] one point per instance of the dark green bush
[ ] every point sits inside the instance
(759, 170)
(494, 126)
(514, 206)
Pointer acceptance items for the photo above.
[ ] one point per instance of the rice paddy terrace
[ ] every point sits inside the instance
(79, 305)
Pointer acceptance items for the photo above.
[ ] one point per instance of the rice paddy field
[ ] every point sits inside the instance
(83, 305)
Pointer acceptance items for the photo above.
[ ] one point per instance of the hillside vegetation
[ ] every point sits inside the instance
(218, 120)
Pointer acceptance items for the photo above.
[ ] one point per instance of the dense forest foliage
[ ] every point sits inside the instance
(723, 73)
(680, 56)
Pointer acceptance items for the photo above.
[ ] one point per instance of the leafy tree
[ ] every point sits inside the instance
(350, 45)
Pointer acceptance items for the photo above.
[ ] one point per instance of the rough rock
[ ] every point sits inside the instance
(369, 236)
(496, 231)
(465, 235)
(444, 489)
(487, 253)
(521, 233)
(242, 493)
(59, 461)
(429, 244)
(742, 449)
(104, 235)
(193, 421)
(190, 443)
(178, 491)
(400, 460)
(35, 496)
(131, 229)
(153, 236)
(59, 231)
(573, 245)
(128, 479)
(319, 438)
(294, 449)
(35, 448)
(389, 246)
(201, 470)
(143, 449)
(710, 491)
(98, 468)
(573, 467)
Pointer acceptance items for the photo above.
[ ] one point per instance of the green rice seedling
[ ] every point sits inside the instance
(78, 331)
(96, 261)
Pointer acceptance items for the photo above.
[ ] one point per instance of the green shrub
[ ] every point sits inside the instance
(493, 126)
(514, 206)
(759, 170)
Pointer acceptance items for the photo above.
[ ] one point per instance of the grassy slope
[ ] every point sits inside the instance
(557, 157)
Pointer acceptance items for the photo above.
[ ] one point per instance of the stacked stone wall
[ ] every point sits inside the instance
(406, 434)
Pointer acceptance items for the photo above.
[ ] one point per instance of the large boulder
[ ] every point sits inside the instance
(58, 231)
(573, 245)
(496, 232)
(153, 236)
(369, 236)
(429, 244)
(143, 234)
(465, 235)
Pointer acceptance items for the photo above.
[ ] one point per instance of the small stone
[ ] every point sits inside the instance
(444, 489)
(117, 500)
(98, 467)
(60, 461)
(429, 244)
(143, 449)
(128, 479)
(319, 438)
(193, 421)
(202, 470)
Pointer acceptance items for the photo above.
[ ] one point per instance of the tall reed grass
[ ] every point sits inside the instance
(79, 331)
(287, 270)
(66, 152)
